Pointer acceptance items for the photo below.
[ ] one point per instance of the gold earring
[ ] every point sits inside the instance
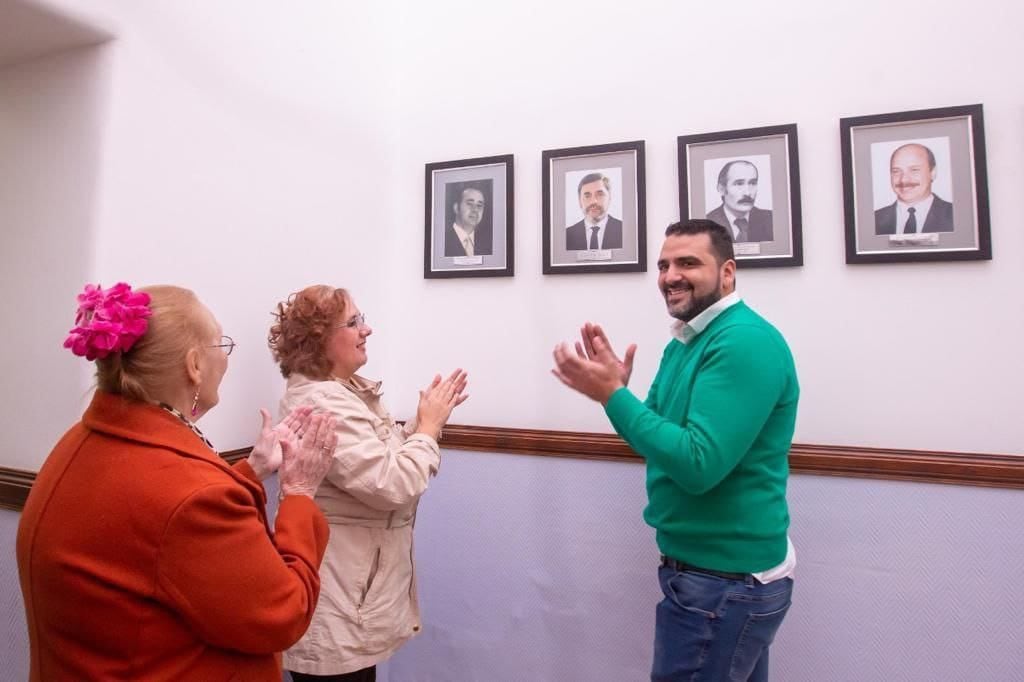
(195, 403)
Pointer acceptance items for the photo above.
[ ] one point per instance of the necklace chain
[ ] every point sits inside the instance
(185, 420)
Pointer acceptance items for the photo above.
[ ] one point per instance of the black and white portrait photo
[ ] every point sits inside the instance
(592, 196)
(909, 180)
(748, 181)
(469, 227)
(594, 209)
(737, 184)
(469, 218)
(915, 186)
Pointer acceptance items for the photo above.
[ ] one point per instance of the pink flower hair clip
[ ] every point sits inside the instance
(108, 320)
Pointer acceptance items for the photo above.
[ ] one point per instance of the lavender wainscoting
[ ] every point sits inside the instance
(14, 635)
(542, 569)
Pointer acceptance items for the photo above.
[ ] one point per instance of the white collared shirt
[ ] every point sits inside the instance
(601, 225)
(921, 209)
(686, 332)
(463, 236)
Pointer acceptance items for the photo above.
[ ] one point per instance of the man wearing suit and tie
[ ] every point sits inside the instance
(469, 234)
(597, 230)
(737, 183)
(916, 209)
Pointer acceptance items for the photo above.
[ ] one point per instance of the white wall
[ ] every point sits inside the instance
(244, 159)
(247, 149)
(656, 70)
(291, 145)
(51, 118)
(246, 163)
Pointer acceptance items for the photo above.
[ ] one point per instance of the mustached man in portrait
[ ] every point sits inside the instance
(737, 184)
(916, 209)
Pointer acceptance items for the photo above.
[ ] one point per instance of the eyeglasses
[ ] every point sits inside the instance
(227, 343)
(356, 322)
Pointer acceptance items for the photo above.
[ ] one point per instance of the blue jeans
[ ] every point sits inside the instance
(712, 629)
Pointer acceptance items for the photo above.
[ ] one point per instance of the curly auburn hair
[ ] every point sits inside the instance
(304, 322)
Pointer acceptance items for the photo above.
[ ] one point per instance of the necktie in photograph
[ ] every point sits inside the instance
(593, 237)
(741, 225)
(467, 244)
(911, 225)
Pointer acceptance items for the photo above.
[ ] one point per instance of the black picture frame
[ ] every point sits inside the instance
(764, 159)
(492, 178)
(882, 153)
(622, 241)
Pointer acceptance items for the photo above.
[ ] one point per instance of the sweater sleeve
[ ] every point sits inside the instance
(652, 394)
(738, 383)
(236, 587)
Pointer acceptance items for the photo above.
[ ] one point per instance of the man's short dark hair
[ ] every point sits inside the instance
(721, 240)
(465, 187)
(594, 177)
(723, 175)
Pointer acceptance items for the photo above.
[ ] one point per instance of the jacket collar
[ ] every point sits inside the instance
(144, 423)
(356, 383)
(150, 424)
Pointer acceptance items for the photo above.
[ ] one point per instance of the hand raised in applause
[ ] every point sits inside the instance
(306, 460)
(589, 333)
(265, 457)
(437, 402)
(594, 370)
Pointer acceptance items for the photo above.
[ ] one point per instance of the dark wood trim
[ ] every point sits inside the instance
(922, 466)
(958, 468)
(232, 456)
(15, 483)
(14, 487)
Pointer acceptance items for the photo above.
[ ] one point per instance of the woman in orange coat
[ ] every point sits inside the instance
(142, 554)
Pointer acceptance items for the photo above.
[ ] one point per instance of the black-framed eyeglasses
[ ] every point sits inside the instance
(227, 343)
(356, 322)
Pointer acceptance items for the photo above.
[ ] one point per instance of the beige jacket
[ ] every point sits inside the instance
(367, 606)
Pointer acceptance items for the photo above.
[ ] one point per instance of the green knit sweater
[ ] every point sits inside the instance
(716, 430)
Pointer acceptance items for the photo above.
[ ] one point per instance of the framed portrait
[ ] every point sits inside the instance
(469, 218)
(748, 181)
(595, 213)
(915, 186)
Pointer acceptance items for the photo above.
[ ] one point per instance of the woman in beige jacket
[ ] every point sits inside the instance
(367, 607)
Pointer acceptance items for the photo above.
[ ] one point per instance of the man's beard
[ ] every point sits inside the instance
(699, 304)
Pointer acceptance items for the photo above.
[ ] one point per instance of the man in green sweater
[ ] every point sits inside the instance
(715, 431)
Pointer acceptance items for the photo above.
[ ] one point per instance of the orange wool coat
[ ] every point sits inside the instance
(143, 556)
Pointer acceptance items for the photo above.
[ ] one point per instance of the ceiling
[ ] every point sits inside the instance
(29, 30)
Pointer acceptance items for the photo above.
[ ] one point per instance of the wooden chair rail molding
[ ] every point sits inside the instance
(997, 471)
(959, 468)
(15, 483)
